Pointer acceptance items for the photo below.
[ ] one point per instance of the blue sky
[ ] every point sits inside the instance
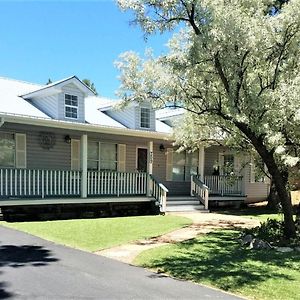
(57, 39)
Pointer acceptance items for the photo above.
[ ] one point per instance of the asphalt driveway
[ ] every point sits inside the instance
(32, 268)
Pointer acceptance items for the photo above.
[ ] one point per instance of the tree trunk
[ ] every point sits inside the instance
(273, 199)
(281, 184)
(279, 177)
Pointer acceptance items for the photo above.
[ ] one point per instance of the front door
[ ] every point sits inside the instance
(142, 154)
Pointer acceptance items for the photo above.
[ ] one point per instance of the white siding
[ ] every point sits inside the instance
(131, 116)
(138, 117)
(54, 105)
(255, 191)
(72, 90)
(48, 105)
(125, 117)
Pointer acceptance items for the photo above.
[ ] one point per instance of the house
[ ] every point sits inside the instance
(61, 144)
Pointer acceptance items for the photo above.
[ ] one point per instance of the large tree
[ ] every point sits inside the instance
(232, 67)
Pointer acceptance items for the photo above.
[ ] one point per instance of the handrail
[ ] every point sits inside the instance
(224, 184)
(199, 189)
(159, 192)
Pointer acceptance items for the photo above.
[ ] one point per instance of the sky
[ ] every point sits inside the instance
(57, 39)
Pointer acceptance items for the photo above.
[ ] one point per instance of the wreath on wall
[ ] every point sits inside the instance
(47, 140)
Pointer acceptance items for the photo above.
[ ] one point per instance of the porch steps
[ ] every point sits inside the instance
(184, 203)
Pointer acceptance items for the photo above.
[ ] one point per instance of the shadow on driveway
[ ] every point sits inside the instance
(22, 256)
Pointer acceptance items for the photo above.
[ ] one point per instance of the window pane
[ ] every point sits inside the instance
(93, 148)
(145, 117)
(108, 156)
(108, 152)
(7, 150)
(92, 165)
(228, 168)
(108, 165)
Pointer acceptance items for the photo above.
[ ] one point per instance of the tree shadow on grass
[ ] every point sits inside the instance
(22, 256)
(218, 258)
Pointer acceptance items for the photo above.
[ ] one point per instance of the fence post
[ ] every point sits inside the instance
(206, 199)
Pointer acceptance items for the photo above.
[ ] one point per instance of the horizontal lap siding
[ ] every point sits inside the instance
(49, 105)
(159, 163)
(59, 156)
(72, 90)
(255, 191)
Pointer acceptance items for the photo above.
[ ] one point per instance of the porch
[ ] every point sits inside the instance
(37, 187)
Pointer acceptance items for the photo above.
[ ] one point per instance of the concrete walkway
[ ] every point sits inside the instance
(202, 223)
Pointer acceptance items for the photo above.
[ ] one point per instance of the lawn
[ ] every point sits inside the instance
(217, 259)
(97, 234)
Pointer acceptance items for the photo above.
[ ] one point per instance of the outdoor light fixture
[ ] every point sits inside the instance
(161, 148)
(68, 139)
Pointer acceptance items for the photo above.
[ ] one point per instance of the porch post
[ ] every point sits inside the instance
(83, 166)
(201, 162)
(150, 166)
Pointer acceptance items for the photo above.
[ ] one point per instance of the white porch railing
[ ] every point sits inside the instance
(39, 183)
(159, 192)
(224, 185)
(116, 183)
(200, 190)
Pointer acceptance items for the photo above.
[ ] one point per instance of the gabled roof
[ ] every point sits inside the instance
(55, 87)
(15, 107)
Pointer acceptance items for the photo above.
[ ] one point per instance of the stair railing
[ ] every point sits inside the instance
(200, 190)
(159, 192)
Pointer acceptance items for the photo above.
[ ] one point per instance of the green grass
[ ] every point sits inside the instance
(97, 234)
(260, 213)
(217, 259)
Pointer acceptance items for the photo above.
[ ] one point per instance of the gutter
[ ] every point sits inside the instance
(10, 118)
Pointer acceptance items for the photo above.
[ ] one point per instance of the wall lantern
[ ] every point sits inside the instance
(68, 139)
(161, 148)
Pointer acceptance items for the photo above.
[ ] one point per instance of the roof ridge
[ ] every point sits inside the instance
(21, 81)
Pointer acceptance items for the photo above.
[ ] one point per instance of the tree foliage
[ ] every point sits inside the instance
(91, 85)
(234, 68)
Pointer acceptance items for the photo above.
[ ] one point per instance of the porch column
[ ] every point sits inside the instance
(83, 165)
(150, 166)
(201, 162)
(150, 157)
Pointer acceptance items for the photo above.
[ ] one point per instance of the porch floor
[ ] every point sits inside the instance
(94, 200)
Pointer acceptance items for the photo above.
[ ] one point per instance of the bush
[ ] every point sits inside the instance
(272, 231)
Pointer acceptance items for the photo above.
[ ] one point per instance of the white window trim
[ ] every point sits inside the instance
(99, 155)
(72, 106)
(145, 127)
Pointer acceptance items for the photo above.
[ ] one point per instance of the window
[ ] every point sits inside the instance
(257, 171)
(145, 117)
(185, 164)
(71, 106)
(228, 166)
(102, 156)
(7, 150)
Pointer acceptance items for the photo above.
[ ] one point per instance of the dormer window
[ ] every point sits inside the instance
(145, 117)
(71, 106)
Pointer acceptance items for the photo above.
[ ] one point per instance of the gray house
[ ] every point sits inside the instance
(60, 143)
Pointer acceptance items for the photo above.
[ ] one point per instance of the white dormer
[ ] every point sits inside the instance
(139, 116)
(62, 100)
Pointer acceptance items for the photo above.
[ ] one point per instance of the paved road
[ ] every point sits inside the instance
(32, 268)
